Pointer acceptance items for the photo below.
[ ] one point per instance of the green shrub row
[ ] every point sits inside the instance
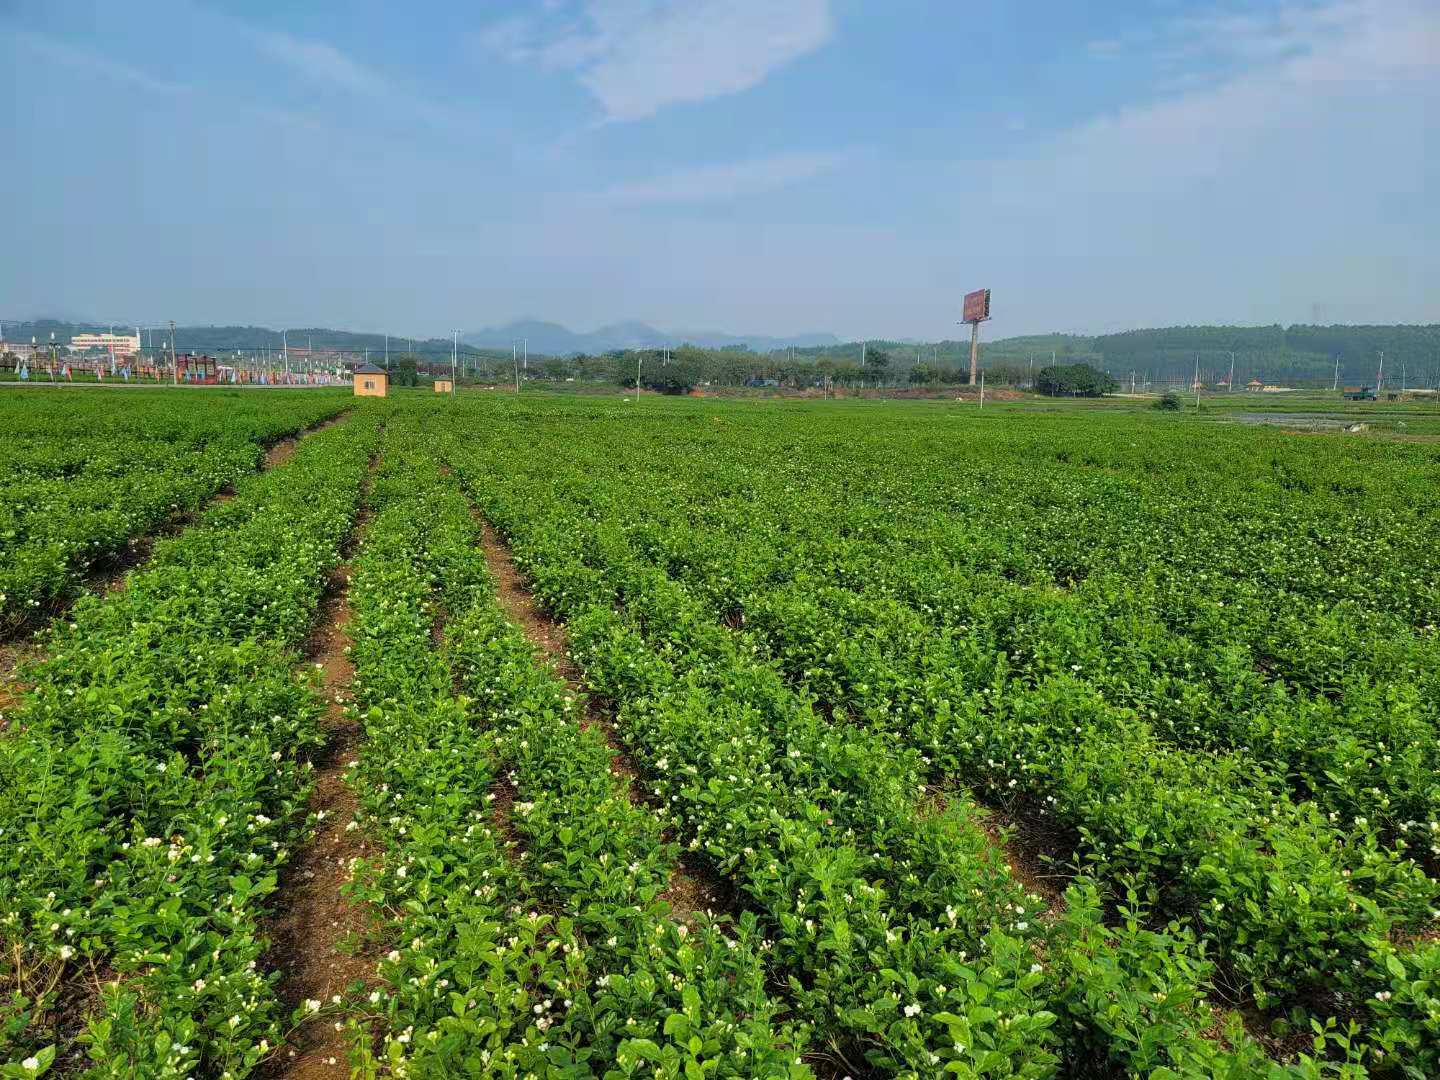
(822, 828)
(533, 943)
(72, 496)
(1294, 907)
(154, 782)
(1306, 771)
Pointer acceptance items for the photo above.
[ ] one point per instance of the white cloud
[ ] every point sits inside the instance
(1304, 72)
(324, 64)
(319, 61)
(74, 57)
(639, 56)
(1104, 47)
(711, 183)
(1294, 173)
(1287, 29)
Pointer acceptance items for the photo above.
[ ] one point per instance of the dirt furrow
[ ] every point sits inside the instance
(319, 936)
(1027, 865)
(14, 656)
(691, 888)
(284, 450)
(112, 573)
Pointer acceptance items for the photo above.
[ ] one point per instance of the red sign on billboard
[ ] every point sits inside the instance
(977, 305)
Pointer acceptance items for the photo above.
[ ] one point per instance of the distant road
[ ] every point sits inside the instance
(33, 385)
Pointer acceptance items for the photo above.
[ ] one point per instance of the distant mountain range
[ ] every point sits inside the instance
(1315, 355)
(224, 338)
(556, 340)
(541, 338)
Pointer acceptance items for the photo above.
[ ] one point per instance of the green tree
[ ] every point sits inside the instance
(1073, 380)
(681, 375)
(556, 368)
(405, 371)
(597, 367)
(877, 363)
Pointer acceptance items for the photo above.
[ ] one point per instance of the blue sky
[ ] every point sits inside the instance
(758, 166)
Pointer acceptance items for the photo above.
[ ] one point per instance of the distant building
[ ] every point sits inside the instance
(119, 344)
(444, 386)
(371, 381)
(21, 350)
(1255, 384)
(197, 368)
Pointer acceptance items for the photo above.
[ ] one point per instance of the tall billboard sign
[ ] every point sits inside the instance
(977, 306)
(977, 310)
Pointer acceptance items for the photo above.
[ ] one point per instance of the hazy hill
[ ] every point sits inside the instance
(1294, 355)
(1297, 355)
(556, 340)
(215, 339)
(1278, 354)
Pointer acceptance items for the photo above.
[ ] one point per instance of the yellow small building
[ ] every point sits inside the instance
(444, 386)
(371, 381)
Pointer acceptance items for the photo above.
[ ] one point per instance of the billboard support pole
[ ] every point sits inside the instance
(977, 310)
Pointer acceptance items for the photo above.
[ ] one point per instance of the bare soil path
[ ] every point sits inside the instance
(1024, 855)
(691, 888)
(284, 450)
(110, 574)
(318, 934)
(14, 655)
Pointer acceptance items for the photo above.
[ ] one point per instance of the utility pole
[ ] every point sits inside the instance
(285, 347)
(517, 368)
(1230, 386)
(639, 356)
(525, 354)
(1336, 384)
(982, 387)
(454, 355)
(174, 367)
(387, 354)
(1197, 380)
(1380, 377)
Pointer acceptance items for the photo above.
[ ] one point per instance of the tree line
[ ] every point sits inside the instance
(1297, 355)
